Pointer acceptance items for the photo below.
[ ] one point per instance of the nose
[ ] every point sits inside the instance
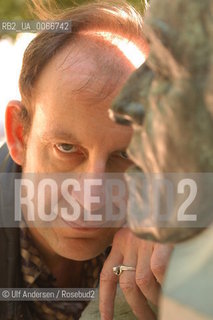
(130, 106)
(92, 182)
(96, 164)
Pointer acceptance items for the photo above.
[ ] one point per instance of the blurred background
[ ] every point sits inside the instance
(12, 47)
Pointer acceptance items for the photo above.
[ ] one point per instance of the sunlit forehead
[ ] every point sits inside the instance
(131, 51)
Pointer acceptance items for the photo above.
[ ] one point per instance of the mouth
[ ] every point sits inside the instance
(87, 225)
(98, 220)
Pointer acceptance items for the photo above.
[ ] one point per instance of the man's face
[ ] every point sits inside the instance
(72, 133)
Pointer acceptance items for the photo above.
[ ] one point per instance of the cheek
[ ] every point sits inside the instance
(118, 165)
(38, 158)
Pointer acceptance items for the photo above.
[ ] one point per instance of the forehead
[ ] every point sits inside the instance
(76, 88)
(84, 68)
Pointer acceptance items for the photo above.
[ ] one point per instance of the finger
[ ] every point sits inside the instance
(133, 295)
(108, 284)
(160, 259)
(108, 280)
(145, 279)
(138, 303)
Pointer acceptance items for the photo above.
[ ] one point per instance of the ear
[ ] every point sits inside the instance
(14, 131)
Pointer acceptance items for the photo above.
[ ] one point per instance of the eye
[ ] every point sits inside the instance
(66, 147)
(123, 155)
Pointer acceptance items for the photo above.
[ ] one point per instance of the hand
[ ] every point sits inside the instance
(150, 260)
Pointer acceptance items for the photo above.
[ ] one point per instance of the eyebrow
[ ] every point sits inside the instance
(60, 135)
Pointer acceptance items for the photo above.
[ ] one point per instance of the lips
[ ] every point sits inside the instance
(87, 224)
(111, 216)
(80, 223)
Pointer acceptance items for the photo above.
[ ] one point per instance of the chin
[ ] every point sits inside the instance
(81, 249)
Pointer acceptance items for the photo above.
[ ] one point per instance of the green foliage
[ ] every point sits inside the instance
(13, 9)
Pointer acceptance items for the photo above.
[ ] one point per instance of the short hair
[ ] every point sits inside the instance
(116, 17)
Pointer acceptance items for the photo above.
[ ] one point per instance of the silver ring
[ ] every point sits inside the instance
(119, 269)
